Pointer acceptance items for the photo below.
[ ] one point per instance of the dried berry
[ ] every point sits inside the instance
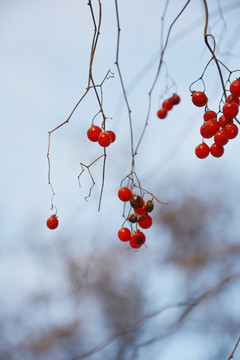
(136, 201)
(133, 218)
(148, 206)
(137, 240)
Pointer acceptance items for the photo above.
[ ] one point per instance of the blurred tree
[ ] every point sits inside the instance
(100, 307)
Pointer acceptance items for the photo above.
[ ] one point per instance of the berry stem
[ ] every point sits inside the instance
(121, 79)
(206, 35)
(158, 72)
(103, 178)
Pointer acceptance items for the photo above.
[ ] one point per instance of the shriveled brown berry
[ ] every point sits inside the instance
(136, 201)
(137, 240)
(133, 218)
(148, 206)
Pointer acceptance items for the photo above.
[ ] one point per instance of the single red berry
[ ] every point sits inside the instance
(137, 240)
(124, 234)
(199, 98)
(162, 113)
(52, 222)
(208, 115)
(232, 130)
(175, 99)
(93, 133)
(216, 150)
(223, 121)
(104, 139)
(124, 194)
(209, 128)
(221, 137)
(232, 98)
(202, 151)
(230, 110)
(145, 221)
(112, 135)
(167, 105)
(235, 87)
(140, 211)
(204, 131)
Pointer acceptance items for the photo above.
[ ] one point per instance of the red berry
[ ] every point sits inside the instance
(202, 151)
(223, 121)
(205, 132)
(104, 139)
(230, 110)
(137, 240)
(140, 211)
(162, 113)
(124, 194)
(124, 234)
(208, 115)
(145, 221)
(112, 135)
(231, 130)
(167, 105)
(93, 133)
(175, 99)
(221, 137)
(199, 98)
(235, 87)
(209, 128)
(232, 98)
(216, 150)
(52, 222)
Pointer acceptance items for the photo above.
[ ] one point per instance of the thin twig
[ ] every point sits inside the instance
(103, 179)
(83, 166)
(206, 35)
(121, 81)
(235, 347)
(91, 84)
(157, 74)
(132, 174)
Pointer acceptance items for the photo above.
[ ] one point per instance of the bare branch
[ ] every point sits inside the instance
(83, 166)
(189, 305)
(235, 347)
(91, 85)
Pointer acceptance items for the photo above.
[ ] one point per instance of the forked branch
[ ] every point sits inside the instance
(90, 85)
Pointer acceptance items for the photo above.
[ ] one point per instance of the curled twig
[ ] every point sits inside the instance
(83, 166)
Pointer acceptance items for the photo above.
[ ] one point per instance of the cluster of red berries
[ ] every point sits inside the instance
(52, 222)
(140, 216)
(223, 129)
(104, 138)
(168, 105)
